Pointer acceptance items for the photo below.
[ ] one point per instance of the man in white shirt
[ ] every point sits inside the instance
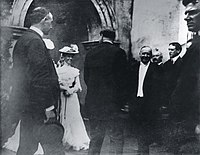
(143, 99)
(145, 56)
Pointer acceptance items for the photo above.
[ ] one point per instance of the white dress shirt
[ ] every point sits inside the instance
(175, 58)
(142, 73)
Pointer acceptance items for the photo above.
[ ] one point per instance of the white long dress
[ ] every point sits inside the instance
(75, 133)
(13, 142)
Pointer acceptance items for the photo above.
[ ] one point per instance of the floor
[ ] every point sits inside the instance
(130, 146)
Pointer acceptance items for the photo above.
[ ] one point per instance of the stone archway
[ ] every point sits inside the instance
(103, 11)
(19, 11)
(15, 23)
(106, 13)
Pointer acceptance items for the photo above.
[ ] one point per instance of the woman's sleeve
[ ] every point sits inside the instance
(78, 83)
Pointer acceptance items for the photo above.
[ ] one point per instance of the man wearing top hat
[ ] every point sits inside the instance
(185, 99)
(35, 85)
(105, 77)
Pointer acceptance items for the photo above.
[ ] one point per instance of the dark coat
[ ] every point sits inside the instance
(185, 98)
(35, 82)
(185, 105)
(150, 108)
(171, 75)
(105, 77)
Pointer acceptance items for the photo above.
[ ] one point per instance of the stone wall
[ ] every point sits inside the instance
(123, 15)
(157, 23)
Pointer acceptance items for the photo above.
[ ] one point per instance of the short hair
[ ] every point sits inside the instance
(177, 46)
(186, 2)
(108, 33)
(38, 14)
(147, 47)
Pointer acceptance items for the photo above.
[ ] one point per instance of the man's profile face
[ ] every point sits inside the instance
(173, 52)
(145, 55)
(47, 24)
(192, 13)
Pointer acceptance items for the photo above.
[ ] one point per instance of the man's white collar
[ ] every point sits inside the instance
(175, 58)
(108, 41)
(37, 30)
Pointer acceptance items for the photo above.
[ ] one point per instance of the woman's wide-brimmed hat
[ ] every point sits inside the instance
(73, 49)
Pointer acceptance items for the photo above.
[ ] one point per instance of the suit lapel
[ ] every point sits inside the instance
(50, 63)
(149, 71)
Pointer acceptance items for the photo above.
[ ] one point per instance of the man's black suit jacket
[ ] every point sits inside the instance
(151, 86)
(105, 77)
(171, 75)
(185, 98)
(35, 82)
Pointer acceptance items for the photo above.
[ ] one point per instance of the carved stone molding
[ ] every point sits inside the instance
(106, 13)
(103, 7)
(20, 8)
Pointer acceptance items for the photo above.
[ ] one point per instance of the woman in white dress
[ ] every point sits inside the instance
(75, 133)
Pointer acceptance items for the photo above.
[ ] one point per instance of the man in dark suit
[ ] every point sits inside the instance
(171, 72)
(172, 68)
(105, 77)
(185, 98)
(35, 84)
(144, 99)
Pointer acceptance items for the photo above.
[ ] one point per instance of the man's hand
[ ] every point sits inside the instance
(197, 129)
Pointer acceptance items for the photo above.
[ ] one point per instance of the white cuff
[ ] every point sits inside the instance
(50, 108)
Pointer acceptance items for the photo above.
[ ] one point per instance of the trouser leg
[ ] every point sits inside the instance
(53, 149)
(97, 132)
(116, 128)
(28, 143)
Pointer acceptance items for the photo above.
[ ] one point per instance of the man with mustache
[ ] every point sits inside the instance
(143, 100)
(157, 57)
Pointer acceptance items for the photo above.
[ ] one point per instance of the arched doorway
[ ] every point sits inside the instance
(103, 9)
(75, 21)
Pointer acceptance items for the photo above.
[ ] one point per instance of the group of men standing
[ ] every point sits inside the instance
(151, 89)
(111, 82)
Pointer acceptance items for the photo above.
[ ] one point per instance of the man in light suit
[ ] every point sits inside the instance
(105, 77)
(144, 98)
(185, 98)
(35, 85)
